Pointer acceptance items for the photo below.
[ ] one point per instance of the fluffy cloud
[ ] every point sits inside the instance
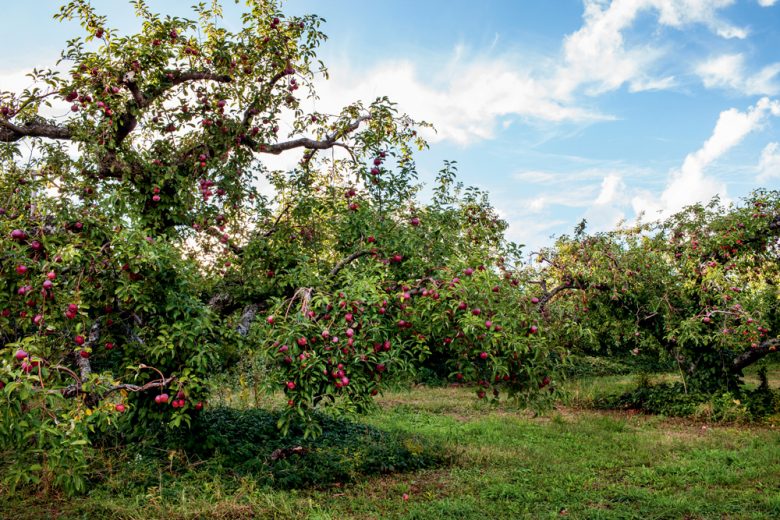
(611, 187)
(469, 97)
(467, 100)
(533, 234)
(767, 3)
(690, 184)
(769, 163)
(728, 71)
(596, 55)
(18, 80)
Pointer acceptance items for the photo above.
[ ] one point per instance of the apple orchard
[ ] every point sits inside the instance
(140, 260)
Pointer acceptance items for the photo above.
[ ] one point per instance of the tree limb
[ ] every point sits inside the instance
(749, 357)
(312, 144)
(346, 261)
(10, 132)
(157, 383)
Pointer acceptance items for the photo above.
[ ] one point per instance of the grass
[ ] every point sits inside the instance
(582, 392)
(569, 463)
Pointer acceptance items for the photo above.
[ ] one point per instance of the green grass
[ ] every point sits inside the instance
(582, 392)
(570, 463)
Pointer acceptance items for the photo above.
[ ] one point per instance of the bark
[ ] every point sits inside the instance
(753, 355)
(10, 132)
(247, 318)
(346, 261)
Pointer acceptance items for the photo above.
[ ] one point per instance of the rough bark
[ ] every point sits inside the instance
(753, 355)
(247, 318)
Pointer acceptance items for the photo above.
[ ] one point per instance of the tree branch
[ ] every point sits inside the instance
(253, 107)
(10, 132)
(157, 383)
(346, 261)
(749, 357)
(312, 144)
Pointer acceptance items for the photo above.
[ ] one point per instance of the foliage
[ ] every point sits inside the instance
(698, 289)
(673, 400)
(582, 366)
(249, 443)
(140, 258)
(583, 463)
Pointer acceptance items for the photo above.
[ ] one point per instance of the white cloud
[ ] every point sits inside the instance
(690, 184)
(17, 81)
(607, 210)
(642, 85)
(596, 54)
(767, 3)
(611, 186)
(728, 71)
(466, 101)
(769, 163)
(470, 96)
(533, 234)
(14, 80)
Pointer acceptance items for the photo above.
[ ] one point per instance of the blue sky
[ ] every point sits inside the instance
(562, 110)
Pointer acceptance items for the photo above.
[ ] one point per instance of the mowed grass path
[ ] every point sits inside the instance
(508, 464)
(575, 464)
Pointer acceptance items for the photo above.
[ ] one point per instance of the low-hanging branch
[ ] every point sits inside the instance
(753, 355)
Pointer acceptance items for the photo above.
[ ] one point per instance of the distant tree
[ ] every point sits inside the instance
(700, 287)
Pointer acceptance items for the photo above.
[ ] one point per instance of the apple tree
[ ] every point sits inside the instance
(391, 284)
(140, 255)
(135, 148)
(699, 287)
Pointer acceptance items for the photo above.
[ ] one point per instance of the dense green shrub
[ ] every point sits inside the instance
(673, 399)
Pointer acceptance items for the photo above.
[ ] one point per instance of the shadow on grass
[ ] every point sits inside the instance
(248, 443)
